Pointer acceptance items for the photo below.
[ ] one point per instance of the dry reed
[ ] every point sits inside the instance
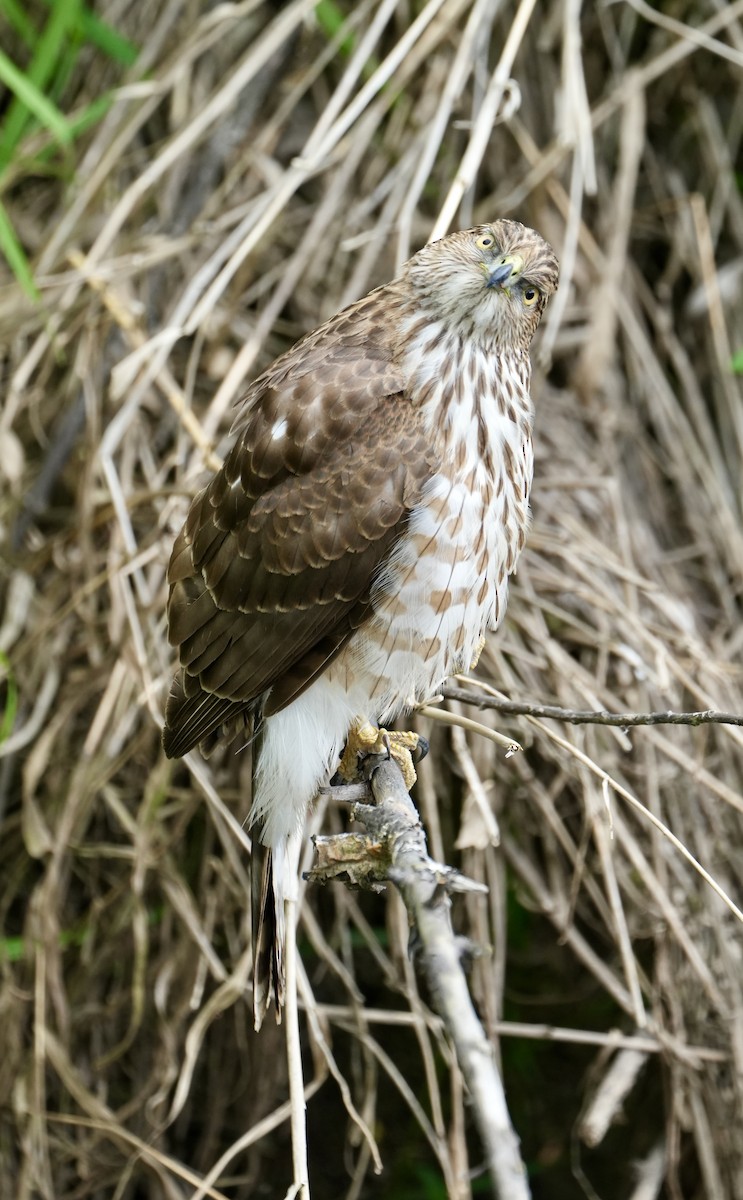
(254, 174)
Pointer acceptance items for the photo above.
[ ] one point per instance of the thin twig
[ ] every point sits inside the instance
(301, 1183)
(510, 745)
(590, 717)
(613, 1040)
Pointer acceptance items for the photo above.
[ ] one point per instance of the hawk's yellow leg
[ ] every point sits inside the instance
(365, 738)
(478, 651)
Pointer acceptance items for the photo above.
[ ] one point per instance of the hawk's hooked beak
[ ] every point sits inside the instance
(498, 276)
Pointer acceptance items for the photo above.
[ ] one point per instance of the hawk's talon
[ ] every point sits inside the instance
(365, 739)
(419, 752)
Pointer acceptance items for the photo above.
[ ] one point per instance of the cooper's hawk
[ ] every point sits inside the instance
(358, 540)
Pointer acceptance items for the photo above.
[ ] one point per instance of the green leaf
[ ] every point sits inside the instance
(737, 363)
(11, 949)
(11, 248)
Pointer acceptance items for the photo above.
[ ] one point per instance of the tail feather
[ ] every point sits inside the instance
(269, 931)
(267, 911)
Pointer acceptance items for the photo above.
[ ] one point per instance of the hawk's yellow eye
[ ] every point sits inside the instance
(485, 241)
(530, 295)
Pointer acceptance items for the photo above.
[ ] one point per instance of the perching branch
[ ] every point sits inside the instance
(589, 717)
(394, 849)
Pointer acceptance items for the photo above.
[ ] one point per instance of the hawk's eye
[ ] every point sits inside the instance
(485, 241)
(530, 295)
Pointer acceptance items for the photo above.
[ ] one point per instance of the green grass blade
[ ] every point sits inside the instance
(28, 99)
(331, 20)
(18, 20)
(87, 117)
(91, 114)
(11, 248)
(53, 44)
(99, 34)
(7, 721)
(51, 49)
(737, 363)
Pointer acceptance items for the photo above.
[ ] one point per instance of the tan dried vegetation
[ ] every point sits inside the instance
(255, 173)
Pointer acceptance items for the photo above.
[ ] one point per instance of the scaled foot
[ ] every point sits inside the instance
(364, 738)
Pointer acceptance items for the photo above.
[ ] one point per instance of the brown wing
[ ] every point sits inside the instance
(272, 571)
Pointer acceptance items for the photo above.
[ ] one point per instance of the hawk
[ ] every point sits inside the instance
(357, 543)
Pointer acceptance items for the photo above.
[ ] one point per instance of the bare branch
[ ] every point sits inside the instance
(610, 1095)
(394, 848)
(590, 717)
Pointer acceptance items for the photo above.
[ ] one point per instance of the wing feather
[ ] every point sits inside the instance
(273, 570)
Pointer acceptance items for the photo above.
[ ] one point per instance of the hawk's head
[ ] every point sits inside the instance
(493, 281)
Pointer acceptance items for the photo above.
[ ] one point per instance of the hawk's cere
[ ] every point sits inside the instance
(358, 540)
